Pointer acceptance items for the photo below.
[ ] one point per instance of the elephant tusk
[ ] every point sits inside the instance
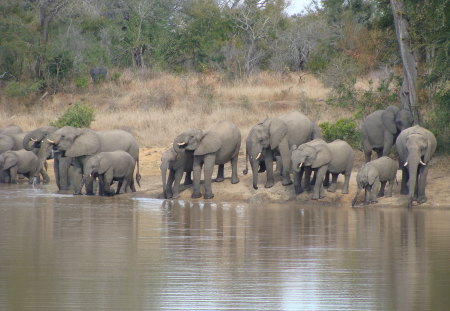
(300, 165)
(34, 140)
(406, 163)
(422, 163)
(258, 156)
(182, 144)
(50, 141)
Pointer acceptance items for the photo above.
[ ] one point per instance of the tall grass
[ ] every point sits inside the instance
(156, 107)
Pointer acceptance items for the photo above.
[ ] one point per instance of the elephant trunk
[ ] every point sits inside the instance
(355, 199)
(255, 167)
(164, 168)
(30, 140)
(413, 166)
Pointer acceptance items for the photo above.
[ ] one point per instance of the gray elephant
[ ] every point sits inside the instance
(335, 157)
(98, 73)
(218, 145)
(373, 176)
(11, 129)
(177, 163)
(11, 141)
(37, 140)
(80, 144)
(109, 167)
(21, 162)
(381, 128)
(415, 146)
(275, 136)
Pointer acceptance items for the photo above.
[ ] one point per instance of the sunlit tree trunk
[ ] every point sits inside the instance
(408, 92)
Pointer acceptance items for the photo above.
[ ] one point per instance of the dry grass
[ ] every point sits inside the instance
(158, 106)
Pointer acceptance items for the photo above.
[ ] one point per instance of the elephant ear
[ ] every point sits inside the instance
(210, 143)
(323, 156)
(86, 143)
(277, 131)
(103, 165)
(372, 175)
(388, 119)
(10, 160)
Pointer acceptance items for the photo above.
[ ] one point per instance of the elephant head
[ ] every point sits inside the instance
(75, 142)
(314, 154)
(37, 139)
(92, 167)
(368, 179)
(7, 160)
(263, 137)
(6, 143)
(198, 141)
(396, 120)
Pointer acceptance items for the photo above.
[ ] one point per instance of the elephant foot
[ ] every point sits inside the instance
(269, 184)
(92, 193)
(308, 188)
(404, 191)
(167, 195)
(345, 191)
(380, 194)
(187, 182)
(175, 196)
(298, 189)
(219, 179)
(208, 196)
(332, 189)
(317, 197)
(235, 180)
(196, 195)
(388, 195)
(421, 199)
(77, 193)
(286, 182)
(410, 203)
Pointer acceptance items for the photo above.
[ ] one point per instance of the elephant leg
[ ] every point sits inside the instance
(63, 172)
(298, 181)
(45, 177)
(375, 189)
(107, 181)
(421, 182)
(13, 175)
(308, 183)
(326, 182)
(77, 179)
(333, 185)
(187, 178)
(197, 168)
(130, 182)
(234, 175)
(89, 186)
(268, 159)
(405, 177)
(367, 194)
(169, 185)
(209, 161)
(176, 183)
(220, 176)
(318, 192)
(388, 142)
(279, 165)
(355, 199)
(347, 176)
(286, 160)
(381, 192)
(121, 185)
(389, 189)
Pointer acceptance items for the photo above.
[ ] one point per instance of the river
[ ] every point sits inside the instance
(64, 252)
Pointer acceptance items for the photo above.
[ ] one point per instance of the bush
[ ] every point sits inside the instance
(439, 118)
(77, 115)
(345, 129)
(82, 82)
(23, 89)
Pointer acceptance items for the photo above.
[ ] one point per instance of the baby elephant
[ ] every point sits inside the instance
(21, 162)
(335, 157)
(177, 164)
(372, 175)
(111, 166)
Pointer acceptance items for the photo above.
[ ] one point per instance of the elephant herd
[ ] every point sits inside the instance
(292, 141)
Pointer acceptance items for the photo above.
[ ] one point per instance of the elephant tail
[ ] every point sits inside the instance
(138, 175)
(245, 171)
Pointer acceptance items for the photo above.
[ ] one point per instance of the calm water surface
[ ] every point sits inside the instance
(60, 252)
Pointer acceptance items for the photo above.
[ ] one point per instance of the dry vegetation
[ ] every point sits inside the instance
(158, 106)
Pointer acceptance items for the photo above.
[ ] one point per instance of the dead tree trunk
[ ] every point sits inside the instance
(408, 92)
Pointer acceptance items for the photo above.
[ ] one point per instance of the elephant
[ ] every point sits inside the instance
(381, 128)
(11, 129)
(176, 163)
(335, 157)
(82, 143)
(11, 141)
(275, 136)
(415, 146)
(217, 145)
(21, 162)
(37, 140)
(373, 176)
(98, 73)
(112, 166)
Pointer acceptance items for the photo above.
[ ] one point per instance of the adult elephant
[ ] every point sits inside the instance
(381, 128)
(82, 143)
(276, 136)
(37, 140)
(218, 145)
(415, 146)
(11, 141)
(11, 129)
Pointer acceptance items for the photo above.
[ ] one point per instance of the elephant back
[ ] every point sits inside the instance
(300, 129)
(119, 140)
(341, 155)
(228, 137)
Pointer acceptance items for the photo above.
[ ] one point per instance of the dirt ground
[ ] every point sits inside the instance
(437, 190)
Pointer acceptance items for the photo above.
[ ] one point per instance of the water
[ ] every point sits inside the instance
(60, 252)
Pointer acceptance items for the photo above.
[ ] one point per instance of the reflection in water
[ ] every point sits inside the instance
(60, 252)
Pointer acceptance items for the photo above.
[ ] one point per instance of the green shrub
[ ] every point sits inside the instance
(23, 89)
(82, 82)
(77, 115)
(345, 129)
(439, 118)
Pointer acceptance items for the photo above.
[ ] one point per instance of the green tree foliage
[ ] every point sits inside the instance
(77, 115)
(344, 129)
